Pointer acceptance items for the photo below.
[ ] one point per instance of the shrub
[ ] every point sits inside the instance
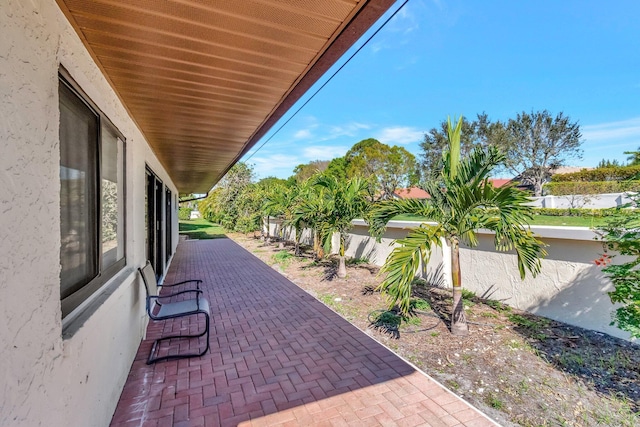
(596, 187)
(184, 214)
(419, 304)
(585, 213)
(283, 258)
(622, 234)
(247, 224)
(600, 174)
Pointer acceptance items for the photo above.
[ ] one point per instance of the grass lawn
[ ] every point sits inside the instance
(569, 221)
(201, 229)
(573, 221)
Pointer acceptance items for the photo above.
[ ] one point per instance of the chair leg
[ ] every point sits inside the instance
(156, 344)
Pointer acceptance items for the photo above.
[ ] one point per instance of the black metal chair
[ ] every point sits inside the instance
(164, 310)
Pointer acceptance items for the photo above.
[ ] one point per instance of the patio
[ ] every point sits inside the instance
(278, 357)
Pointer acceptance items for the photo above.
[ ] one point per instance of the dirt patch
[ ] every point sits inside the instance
(518, 368)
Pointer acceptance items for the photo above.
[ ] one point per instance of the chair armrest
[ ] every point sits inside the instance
(188, 291)
(198, 281)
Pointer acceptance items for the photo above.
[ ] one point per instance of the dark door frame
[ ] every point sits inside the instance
(155, 223)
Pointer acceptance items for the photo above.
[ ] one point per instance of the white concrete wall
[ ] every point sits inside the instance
(48, 380)
(570, 288)
(594, 201)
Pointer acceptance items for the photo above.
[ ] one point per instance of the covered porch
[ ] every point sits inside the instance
(278, 357)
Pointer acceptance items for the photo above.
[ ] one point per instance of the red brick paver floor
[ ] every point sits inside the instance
(278, 357)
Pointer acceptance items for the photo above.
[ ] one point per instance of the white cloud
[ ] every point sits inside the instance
(324, 152)
(350, 129)
(606, 132)
(400, 135)
(313, 141)
(303, 134)
(276, 164)
(402, 24)
(405, 21)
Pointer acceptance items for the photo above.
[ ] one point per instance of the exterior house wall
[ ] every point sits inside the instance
(48, 379)
(570, 287)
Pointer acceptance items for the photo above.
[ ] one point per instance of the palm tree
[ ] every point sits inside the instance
(345, 201)
(273, 205)
(462, 201)
(299, 211)
(311, 210)
(634, 158)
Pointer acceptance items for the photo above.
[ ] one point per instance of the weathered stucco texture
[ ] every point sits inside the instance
(570, 287)
(48, 380)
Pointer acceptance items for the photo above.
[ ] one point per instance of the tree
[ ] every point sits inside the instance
(312, 209)
(634, 158)
(344, 201)
(534, 144)
(274, 204)
(387, 168)
(305, 171)
(296, 215)
(537, 143)
(270, 181)
(462, 201)
(435, 142)
(608, 164)
(209, 206)
(338, 168)
(222, 203)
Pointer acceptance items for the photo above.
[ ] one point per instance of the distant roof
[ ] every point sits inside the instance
(499, 182)
(569, 169)
(411, 193)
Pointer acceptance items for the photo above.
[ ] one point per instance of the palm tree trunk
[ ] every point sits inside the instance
(317, 245)
(459, 326)
(342, 266)
(268, 230)
(297, 248)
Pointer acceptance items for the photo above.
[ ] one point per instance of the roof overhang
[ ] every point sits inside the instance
(205, 80)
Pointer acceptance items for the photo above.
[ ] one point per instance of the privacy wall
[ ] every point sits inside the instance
(570, 288)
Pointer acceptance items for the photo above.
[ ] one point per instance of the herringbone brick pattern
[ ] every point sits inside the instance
(278, 357)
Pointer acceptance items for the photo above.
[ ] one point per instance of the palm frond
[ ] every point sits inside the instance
(383, 212)
(404, 262)
(453, 153)
(478, 166)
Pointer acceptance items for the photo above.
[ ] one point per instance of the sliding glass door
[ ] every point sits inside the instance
(155, 222)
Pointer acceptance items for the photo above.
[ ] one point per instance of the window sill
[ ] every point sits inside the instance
(77, 318)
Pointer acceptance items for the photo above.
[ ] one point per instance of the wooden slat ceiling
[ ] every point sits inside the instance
(205, 79)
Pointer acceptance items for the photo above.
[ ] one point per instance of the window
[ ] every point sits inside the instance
(91, 198)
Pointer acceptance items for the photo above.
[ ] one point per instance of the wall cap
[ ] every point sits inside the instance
(545, 231)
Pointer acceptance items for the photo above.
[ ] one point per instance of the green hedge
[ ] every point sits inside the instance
(580, 187)
(586, 213)
(184, 214)
(599, 174)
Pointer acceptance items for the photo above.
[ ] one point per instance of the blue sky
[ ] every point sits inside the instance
(450, 57)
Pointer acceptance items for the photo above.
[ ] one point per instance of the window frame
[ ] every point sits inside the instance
(78, 299)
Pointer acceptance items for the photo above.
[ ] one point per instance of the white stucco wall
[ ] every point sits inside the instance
(592, 201)
(570, 287)
(49, 380)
